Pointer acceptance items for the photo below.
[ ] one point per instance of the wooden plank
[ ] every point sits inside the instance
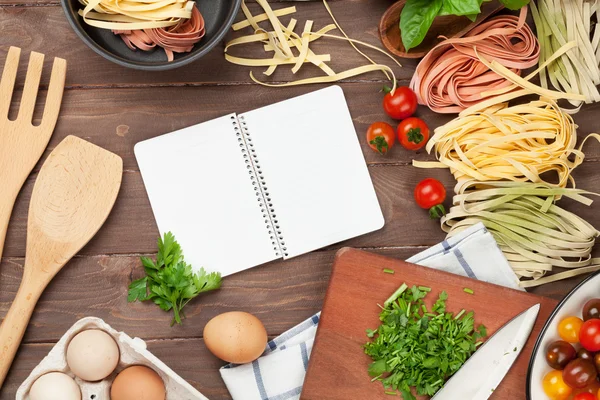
(281, 294)
(116, 119)
(131, 228)
(45, 29)
(189, 358)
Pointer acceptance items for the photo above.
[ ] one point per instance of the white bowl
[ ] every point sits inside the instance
(571, 305)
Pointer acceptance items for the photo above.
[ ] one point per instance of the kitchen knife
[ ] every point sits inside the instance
(485, 369)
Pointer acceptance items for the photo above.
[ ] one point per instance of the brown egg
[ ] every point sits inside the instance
(137, 383)
(236, 337)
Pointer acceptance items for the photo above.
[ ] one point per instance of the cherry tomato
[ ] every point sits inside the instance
(380, 137)
(592, 389)
(402, 104)
(430, 194)
(568, 329)
(413, 133)
(579, 373)
(555, 387)
(585, 354)
(559, 353)
(584, 396)
(597, 362)
(591, 309)
(589, 335)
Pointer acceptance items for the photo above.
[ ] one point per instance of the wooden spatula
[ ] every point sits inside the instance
(72, 197)
(22, 143)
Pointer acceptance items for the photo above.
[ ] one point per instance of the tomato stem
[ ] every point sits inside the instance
(414, 135)
(381, 144)
(437, 212)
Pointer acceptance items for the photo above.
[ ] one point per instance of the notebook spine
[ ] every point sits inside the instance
(259, 185)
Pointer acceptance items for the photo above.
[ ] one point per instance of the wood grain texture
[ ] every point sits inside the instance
(21, 143)
(131, 227)
(35, 28)
(72, 197)
(115, 107)
(187, 357)
(338, 366)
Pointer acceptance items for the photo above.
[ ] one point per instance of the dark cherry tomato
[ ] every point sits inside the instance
(380, 137)
(559, 354)
(589, 334)
(430, 194)
(402, 104)
(592, 389)
(413, 133)
(585, 354)
(591, 309)
(597, 362)
(584, 396)
(579, 373)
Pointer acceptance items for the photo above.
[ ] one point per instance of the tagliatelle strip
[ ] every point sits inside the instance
(493, 141)
(534, 234)
(451, 77)
(135, 14)
(179, 38)
(559, 22)
(289, 48)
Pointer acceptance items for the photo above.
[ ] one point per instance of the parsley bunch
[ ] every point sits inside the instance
(415, 347)
(170, 282)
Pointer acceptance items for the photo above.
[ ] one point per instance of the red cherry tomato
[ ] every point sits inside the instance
(413, 133)
(430, 194)
(402, 104)
(380, 137)
(585, 396)
(589, 334)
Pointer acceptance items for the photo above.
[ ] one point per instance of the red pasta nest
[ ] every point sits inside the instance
(451, 77)
(179, 38)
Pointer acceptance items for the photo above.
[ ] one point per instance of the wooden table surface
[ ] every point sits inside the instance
(116, 107)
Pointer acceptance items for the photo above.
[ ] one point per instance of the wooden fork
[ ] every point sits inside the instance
(21, 143)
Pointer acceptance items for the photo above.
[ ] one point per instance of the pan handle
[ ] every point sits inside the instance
(15, 323)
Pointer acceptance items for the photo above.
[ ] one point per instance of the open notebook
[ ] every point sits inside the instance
(276, 182)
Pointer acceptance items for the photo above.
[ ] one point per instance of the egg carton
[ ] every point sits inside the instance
(133, 352)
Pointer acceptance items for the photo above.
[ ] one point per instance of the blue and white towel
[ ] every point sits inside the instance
(279, 373)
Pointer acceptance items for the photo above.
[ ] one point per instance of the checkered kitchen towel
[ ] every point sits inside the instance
(279, 373)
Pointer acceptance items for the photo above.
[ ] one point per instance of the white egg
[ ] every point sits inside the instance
(55, 386)
(92, 355)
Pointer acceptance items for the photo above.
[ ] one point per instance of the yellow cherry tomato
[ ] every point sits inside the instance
(555, 387)
(568, 329)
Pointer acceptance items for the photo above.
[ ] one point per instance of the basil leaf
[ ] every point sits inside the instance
(416, 19)
(514, 4)
(460, 7)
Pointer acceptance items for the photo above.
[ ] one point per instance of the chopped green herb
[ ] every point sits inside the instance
(515, 349)
(467, 290)
(416, 348)
(392, 393)
(170, 282)
(389, 271)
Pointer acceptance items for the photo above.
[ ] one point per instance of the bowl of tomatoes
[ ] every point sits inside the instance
(565, 364)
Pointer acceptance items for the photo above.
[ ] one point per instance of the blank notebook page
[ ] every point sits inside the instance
(314, 170)
(200, 190)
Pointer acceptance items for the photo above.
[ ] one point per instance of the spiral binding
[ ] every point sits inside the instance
(259, 185)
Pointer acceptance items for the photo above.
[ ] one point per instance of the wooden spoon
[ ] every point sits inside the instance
(449, 26)
(72, 197)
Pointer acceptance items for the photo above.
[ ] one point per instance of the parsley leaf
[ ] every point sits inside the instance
(170, 282)
(420, 349)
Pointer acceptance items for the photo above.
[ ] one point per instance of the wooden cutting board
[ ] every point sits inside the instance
(338, 365)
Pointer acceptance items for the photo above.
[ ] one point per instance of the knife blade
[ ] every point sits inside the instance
(485, 369)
